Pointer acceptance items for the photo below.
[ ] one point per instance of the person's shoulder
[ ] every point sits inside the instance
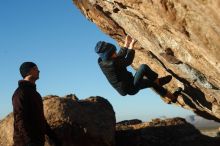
(18, 89)
(19, 92)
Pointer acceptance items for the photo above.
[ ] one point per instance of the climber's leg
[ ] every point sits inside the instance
(144, 70)
(163, 80)
(172, 97)
(131, 89)
(159, 89)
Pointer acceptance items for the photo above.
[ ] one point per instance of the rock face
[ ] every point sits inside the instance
(170, 132)
(177, 37)
(88, 122)
(6, 130)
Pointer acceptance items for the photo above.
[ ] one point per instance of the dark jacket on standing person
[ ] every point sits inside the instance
(30, 125)
(115, 70)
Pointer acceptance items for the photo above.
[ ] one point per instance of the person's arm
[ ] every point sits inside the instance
(19, 106)
(122, 52)
(52, 135)
(129, 58)
(128, 47)
(128, 44)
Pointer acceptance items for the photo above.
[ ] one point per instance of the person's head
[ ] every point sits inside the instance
(29, 70)
(105, 50)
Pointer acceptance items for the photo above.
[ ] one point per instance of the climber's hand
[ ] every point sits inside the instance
(133, 41)
(128, 40)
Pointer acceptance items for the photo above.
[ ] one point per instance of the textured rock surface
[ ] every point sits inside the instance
(177, 37)
(88, 122)
(6, 131)
(170, 132)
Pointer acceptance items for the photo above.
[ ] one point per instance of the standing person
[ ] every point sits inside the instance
(30, 125)
(114, 66)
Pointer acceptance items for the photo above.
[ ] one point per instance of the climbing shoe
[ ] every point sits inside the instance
(164, 80)
(177, 91)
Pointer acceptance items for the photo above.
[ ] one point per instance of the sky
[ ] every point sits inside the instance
(60, 40)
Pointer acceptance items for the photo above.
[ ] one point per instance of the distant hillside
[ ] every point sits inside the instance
(200, 122)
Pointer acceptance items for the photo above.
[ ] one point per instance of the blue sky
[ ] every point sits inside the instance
(60, 40)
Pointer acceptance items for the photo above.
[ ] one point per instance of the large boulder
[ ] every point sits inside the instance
(176, 37)
(169, 132)
(89, 122)
(6, 131)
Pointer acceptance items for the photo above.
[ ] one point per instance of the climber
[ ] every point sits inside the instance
(30, 125)
(114, 66)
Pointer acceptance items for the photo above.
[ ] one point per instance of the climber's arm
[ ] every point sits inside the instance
(122, 52)
(129, 58)
(129, 44)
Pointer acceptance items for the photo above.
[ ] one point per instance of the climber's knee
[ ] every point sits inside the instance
(148, 72)
(144, 67)
(133, 91)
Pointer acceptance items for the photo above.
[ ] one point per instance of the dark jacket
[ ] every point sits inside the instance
(30, 125)
(116, 71)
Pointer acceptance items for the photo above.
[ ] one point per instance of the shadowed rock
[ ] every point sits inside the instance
(169, 132)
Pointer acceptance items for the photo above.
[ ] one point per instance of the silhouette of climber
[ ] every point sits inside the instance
(114, 66)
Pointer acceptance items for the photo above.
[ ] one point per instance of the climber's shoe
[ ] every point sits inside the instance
(172, 97)
(176, 93)
(164, 80)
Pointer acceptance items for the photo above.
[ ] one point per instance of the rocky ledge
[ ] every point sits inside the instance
(169, 132)
(174, 37)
